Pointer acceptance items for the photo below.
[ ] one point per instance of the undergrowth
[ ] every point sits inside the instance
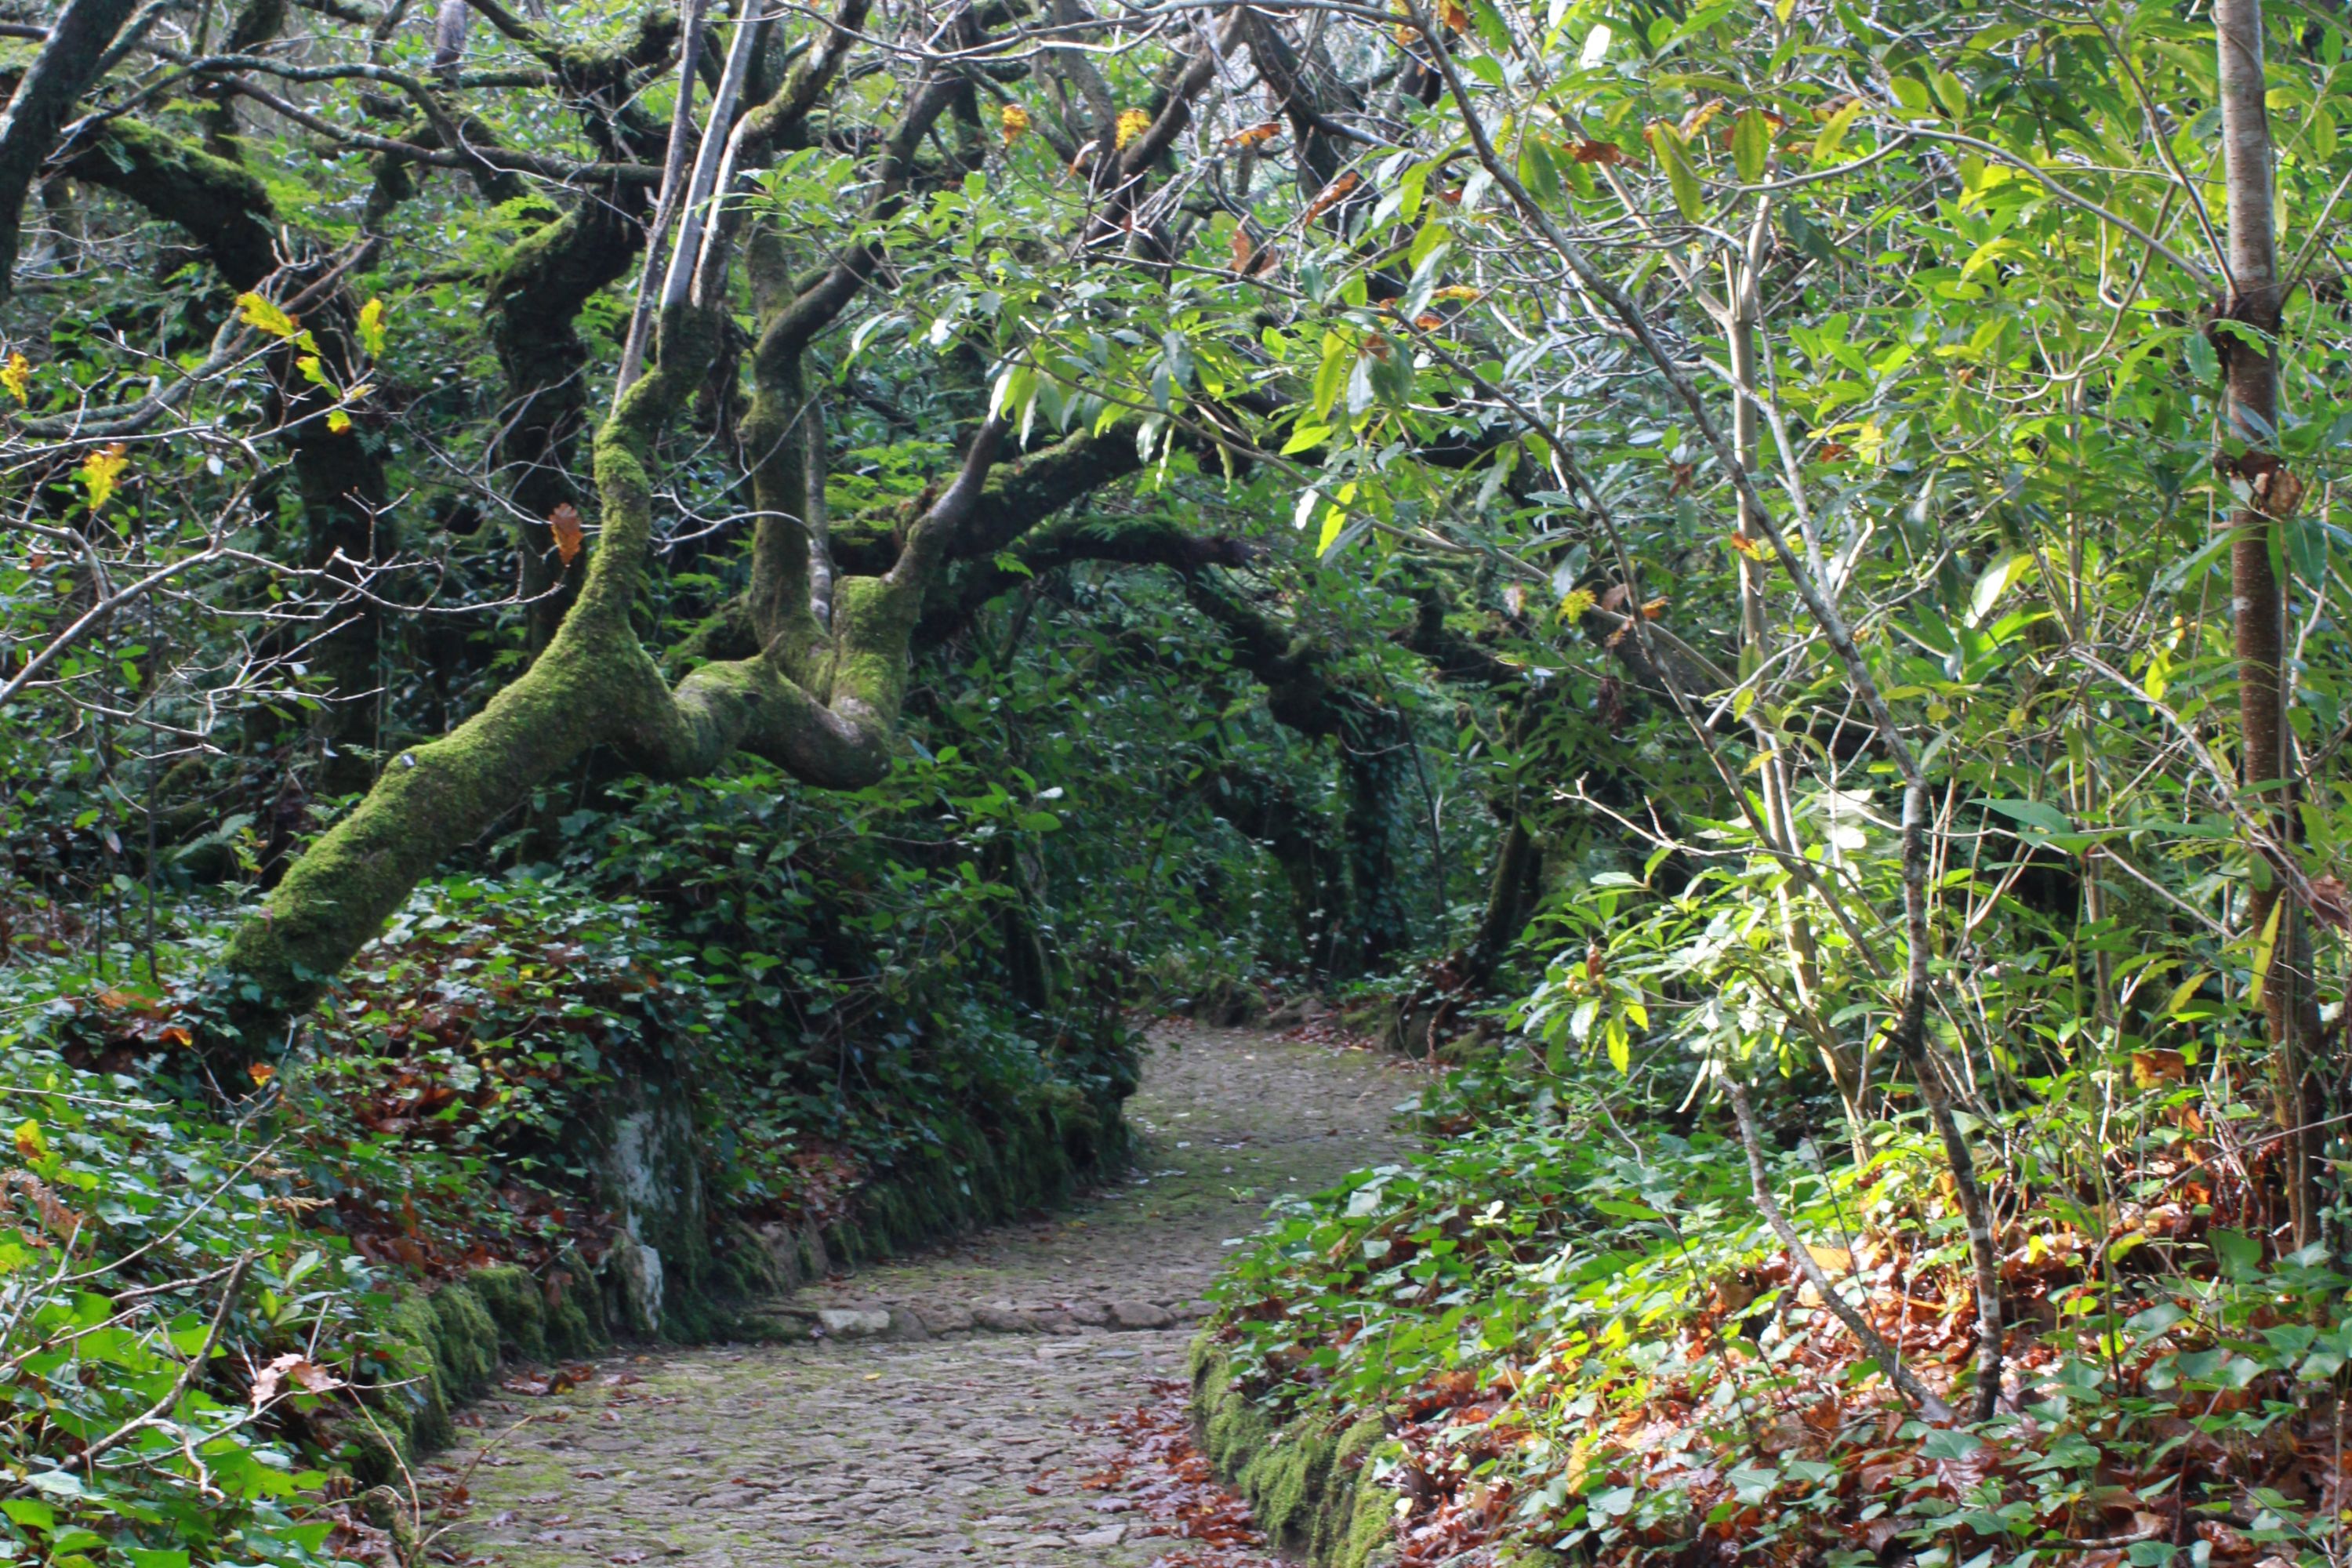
(1592, 1348)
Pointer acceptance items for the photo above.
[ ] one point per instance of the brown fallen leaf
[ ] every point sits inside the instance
(564, 523)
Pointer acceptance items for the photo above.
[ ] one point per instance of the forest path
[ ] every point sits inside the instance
(959, 1432)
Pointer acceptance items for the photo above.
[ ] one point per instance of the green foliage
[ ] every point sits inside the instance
(155, 1266)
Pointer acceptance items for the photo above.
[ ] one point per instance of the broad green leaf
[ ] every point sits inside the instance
(1751, 144)
(1681, 177)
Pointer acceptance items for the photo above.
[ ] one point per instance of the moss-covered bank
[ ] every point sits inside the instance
(1312, 1485)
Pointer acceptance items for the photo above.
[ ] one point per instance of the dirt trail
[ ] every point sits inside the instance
(952, 1411)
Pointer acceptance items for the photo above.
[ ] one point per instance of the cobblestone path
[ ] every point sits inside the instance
(950, 1413)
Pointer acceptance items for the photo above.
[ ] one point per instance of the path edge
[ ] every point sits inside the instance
(1310, 1486)
(439, 1348)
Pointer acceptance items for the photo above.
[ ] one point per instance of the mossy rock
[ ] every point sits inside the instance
(468, 1345)
(1305, 1482)
(409, 1400)
(744, 1264)
(517, 1307)
(440, 1347)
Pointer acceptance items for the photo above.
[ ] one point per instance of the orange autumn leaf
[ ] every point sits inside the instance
(1428, 321)
(564, 522)
(176, 1035)
(1244, 249)
(1330, 195)
(261, 1073)
(1255, 134)
(1598, 152)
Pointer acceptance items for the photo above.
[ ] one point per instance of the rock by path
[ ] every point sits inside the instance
(952, 1413)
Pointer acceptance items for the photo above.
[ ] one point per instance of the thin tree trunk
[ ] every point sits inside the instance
(1743, 307)
(2246, 336)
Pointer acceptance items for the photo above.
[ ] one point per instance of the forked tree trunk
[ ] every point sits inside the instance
(2246, 336)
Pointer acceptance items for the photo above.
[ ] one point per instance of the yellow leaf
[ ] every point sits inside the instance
(1132, 124)
(312, 370)
(370, 327)
(1014, 119)
(31, 1142)
(1577, 603)
(100, 471)
(255, 312)
(338, 421)
(1335, 518)
(16, 376)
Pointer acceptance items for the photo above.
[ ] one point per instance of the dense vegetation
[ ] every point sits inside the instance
(637, 641)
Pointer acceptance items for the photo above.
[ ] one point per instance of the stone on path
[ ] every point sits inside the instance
(935, 1417)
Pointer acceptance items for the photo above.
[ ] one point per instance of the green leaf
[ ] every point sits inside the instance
(30, 1513)
(2039, 815)
(1832, 136)
(1950, 1443)
(1331, 375)
(2239, 1254)
(1536, 170)
(1673, 156)
(1751, 144)
(1952, 93)
(1993, 584)
(1335, 518)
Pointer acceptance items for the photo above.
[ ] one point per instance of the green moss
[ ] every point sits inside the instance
(517, 1307)
(467, 1342)
(1304, 1482)
(440, 1347)
(575, 1323)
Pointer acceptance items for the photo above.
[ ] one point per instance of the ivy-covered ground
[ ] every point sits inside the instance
(1579, 1340)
